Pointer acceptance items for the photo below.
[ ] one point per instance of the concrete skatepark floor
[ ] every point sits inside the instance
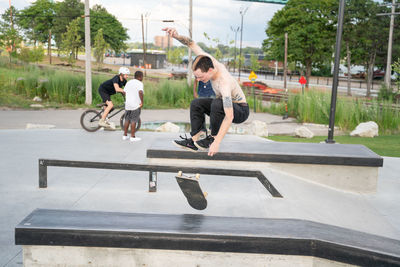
(126, 191)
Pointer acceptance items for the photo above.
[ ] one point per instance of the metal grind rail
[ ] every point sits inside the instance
(152, 169)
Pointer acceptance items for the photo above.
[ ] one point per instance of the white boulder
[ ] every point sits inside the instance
(258, 128)
(39, 126)
(255, 127)
(37, 99)
(366, 129)
(168, 127)
(303, 132)
(36, 106)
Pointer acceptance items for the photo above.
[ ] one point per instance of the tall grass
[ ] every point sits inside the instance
(64, 87)
(167, 94)
(314, 107)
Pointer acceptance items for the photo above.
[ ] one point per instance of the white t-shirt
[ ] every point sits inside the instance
(132, 99)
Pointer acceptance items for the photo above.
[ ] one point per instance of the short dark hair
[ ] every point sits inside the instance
(138, 74)
(204, 63)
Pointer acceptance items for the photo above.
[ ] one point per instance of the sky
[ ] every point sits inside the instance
(214, 17)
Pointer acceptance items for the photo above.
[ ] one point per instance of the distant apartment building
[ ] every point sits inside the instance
(163, 41)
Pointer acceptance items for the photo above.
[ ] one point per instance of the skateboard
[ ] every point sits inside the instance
(191, 189)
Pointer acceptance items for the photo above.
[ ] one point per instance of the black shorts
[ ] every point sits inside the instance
(132, 115)
(104, 95)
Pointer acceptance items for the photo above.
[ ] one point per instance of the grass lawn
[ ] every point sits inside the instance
(385, 145)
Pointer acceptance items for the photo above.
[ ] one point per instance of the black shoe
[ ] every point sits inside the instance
(186, 143)
(205, 143)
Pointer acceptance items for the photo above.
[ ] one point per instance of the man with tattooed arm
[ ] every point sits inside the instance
(229, 105)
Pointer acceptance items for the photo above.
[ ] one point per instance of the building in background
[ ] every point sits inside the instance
(155, 59)
(163, 41)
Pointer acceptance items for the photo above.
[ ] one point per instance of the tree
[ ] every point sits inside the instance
(71, 40)
(113, 31)
(65, 12)
(37, 21)
(174, 55)
(11, 39)
(310, 25)
(100, 47)
(217, 52)
(371, 37)
(254, 64)
(9, 32)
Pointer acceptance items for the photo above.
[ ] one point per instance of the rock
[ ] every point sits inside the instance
(258, 128)
(168, 127)
(36, 106)
(43, 80)
(366, 129)
(39, 126)
(303, 132)
(37, 99)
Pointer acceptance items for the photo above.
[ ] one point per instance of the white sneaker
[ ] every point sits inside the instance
(125, 137)
(103, 123)
(134, 139)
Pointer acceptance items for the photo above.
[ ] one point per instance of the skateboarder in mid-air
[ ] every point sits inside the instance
(229, 105)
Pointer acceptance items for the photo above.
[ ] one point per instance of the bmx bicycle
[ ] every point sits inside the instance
(90, 118)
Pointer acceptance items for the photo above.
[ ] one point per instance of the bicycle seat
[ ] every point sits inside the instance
(101, 105)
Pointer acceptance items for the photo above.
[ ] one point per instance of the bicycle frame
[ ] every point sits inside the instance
(111, 114)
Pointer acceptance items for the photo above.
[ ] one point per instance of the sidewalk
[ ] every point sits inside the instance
(69, 119)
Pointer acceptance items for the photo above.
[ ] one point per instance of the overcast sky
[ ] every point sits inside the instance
(215, 17)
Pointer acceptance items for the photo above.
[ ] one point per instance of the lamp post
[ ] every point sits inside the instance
(190, 61)
(242, 13)
(388, 71)
(235, 30)
(336, 73)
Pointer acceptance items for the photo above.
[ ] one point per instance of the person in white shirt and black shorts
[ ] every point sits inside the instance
(133, 104)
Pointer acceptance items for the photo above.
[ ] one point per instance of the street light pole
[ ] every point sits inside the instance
(190, 61)
(88, 53)
(242, 13)
(235, 31)
(389, 54)
(144, 48)
(336, 73)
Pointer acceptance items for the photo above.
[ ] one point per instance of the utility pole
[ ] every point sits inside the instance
(388, 71)
(242, 13)
(285, 63)
(190, 61)
(144, 48)
(235, 30)
(88, 53)
(339, 32)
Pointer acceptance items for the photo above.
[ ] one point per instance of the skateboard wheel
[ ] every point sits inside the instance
(197, 176)
(205, 194)
(180, 173)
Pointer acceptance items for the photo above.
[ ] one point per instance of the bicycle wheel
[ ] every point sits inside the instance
(90, 120)
(122, 122)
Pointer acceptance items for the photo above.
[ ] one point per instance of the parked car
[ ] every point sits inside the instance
(379, 74)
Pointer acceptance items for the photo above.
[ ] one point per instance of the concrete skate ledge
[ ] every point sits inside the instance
(352, 168)
(278, 152)
(48, 229)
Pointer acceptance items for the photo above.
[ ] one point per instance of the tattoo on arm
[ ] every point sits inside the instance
(184, 40)
(227, 102)
(238, 97)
